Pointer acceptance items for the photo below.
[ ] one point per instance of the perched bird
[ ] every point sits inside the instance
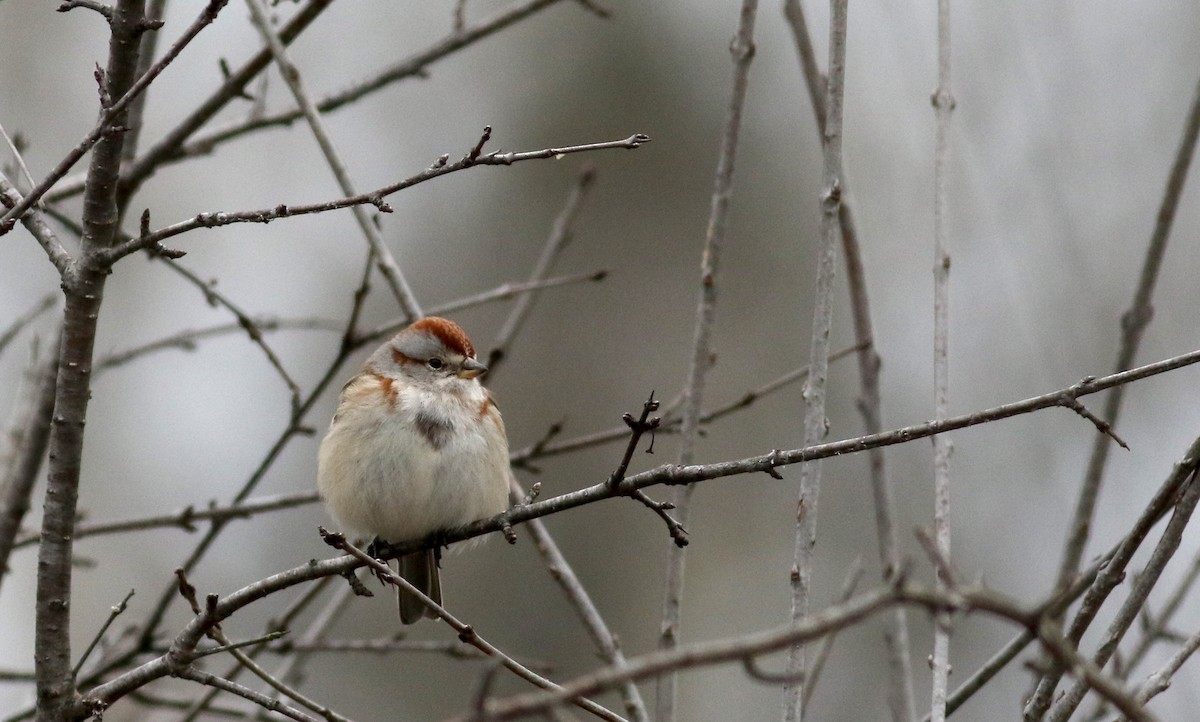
(416, 446)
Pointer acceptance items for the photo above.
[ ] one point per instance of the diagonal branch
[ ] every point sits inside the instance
(113, 114)
(1133, 325)
(291, 75)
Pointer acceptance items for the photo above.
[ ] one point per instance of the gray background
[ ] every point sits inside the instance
(1068, 118)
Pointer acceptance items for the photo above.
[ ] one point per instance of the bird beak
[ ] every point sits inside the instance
(471, 368)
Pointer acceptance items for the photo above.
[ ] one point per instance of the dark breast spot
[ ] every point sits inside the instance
(436, 431)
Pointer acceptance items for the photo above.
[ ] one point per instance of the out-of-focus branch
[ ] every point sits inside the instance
(670, 420)
(20, 322)
(815, 423)
(246, 322)
(233, 87)
(560, 236)
(1065, 706)
(1113, 574)
(502, 292)
(415, 66)
(466, 632)
(741, 50)
(1133, 325)
(187, 517)
(841, 616)
(28, 437)
(187, 339)
(556, 562)
(291, 76)
(114, 111)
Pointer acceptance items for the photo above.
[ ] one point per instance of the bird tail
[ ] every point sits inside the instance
(421, 570)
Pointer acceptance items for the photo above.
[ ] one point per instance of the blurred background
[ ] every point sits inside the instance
(1068, 117)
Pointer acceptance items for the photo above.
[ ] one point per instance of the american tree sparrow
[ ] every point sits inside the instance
(416, 446)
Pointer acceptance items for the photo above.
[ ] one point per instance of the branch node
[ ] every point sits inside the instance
(101, 8)
(483, 139)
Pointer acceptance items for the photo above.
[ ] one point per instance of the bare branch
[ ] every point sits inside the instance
(20, 322)
(267, 703)
(1127, 614)
(815, 424)
(466, 633)
(900, 694)
(113, 115)
(187, 517)
(291, 75)
(415, 66)
(741, 50)
(438, 169)
(1133, 325)
(814, 627)
(37, 227)
(1113, 573)
(943, 104)
(560, 236)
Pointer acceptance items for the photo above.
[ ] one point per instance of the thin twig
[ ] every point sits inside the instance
(33, 222)
(16, 151)
(112, 113)
(1133, 325)
(1159, 625)
(900, 693)
(813, 627)
(671, 423)
(741, 50)
(20, 322)
(943, 104)
(414, 66)
(187, 517)
(1160, 679)
(114, 612)
(234, 87)
(291, 75)
(246, 322)
(284, 621)
(1065, 706)
(28, 438)
(815, 423)
(556, 563)
(560, 236)
(603, 638)
(466, 633)
(1112, 574)
(441, 167)
(267, 703)
(186, 340)
(502, 292)
(825, 646)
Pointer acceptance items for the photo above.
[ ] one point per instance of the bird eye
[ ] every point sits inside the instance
(434, 363)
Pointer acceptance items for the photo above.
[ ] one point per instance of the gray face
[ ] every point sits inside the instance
(422, 357)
